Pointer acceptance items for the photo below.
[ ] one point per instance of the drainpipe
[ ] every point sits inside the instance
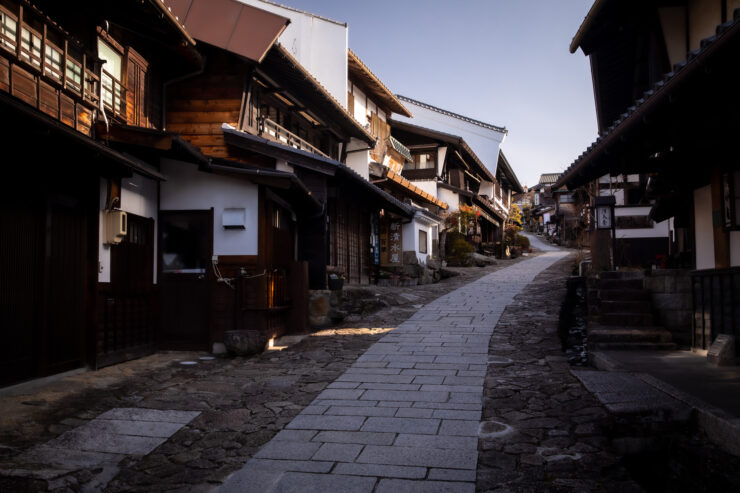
(181, 78)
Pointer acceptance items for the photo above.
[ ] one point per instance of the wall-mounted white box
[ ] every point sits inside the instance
(234, 218)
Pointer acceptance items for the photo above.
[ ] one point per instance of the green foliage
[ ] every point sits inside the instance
(522, 242)
(458, 249)
(512, 229)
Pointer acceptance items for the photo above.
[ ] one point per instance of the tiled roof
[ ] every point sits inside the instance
(454, 115)
(393, 176)
(681, 69)
(346, 170)
(549, 178)
(400, 148)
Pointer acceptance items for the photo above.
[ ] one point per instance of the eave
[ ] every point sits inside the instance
(280, 66)
(313, 162)
(358, 70)
(595, 161)
(455, 140)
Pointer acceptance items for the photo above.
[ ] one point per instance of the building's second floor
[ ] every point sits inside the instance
(82, 61)
(632, 44)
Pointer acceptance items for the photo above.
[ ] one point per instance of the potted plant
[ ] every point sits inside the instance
(336, 281)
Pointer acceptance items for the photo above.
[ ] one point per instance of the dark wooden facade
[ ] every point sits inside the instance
(54, 312)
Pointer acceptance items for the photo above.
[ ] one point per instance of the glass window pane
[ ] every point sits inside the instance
(112, 59)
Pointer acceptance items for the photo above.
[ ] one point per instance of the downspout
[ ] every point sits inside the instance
(181, 78)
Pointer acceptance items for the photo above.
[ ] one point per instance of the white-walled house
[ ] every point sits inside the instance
(319, 44)
(483, 138)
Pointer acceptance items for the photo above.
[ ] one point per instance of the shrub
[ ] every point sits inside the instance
(458, 249)
(522, 242)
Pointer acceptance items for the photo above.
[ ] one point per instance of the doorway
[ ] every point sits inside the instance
(185, 245)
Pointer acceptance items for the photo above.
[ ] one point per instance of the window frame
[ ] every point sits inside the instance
(117, 88)
(5, 43)
(425, 243)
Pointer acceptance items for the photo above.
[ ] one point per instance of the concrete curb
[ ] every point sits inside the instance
(722, 429)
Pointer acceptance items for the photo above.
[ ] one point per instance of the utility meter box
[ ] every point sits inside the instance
(115, 227)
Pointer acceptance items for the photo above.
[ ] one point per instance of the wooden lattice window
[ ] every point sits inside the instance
(8, 30)
(31, 46)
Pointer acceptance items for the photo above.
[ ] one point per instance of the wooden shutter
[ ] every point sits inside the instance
(351, 103)
(136, 89)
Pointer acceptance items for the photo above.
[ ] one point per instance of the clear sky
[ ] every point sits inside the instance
(504, 62)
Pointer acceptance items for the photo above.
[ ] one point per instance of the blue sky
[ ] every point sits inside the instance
(504, 62)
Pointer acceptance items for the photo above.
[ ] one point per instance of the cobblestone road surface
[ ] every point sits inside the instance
(406, 415)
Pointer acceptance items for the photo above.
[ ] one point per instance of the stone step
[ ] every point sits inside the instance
(621, 274)
(647, 346)
(620, 284)
(626, 306)
(628, 319)
(624, 294)
(632, 335)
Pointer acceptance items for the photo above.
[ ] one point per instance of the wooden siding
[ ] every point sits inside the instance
(127, 324)
(349, 240)
(716, 295)
(197, 107)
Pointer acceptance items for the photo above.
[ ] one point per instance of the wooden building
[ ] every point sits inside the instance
(665, 79)
(445, 166)
(75, 289)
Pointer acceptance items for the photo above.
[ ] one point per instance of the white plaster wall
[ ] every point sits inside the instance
(138, 196)
(187, 188)
(103, 250)
(659, 230)
(319, 44)
(673, 23)
(452, 199)
(360, 113)
(485, 143)
(617, 192)
(486, 188)
(411, 239)
(441, 154)
(704, 15)
(703, 229)
(429, 186)
(359, 161)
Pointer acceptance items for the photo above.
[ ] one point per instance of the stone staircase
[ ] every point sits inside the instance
(621, 314)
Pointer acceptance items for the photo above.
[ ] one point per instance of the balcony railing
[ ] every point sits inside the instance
(114, 94)
(271, 130)
(41, 65)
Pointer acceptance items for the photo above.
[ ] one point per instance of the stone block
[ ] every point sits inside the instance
(288, 450)
(722, 350)
(379, 470)
(338, 452)
(424, 457)
(245, 342)
(338, 423)
(361, 437)
(407, 486)
(436, 441)
(459, 427)
(290, 482)
(398, 425)
(318, 308)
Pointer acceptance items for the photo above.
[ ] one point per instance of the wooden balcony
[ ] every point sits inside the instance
(272, 131)
(41, 65)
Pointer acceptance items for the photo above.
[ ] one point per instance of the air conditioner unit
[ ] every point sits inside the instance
(115, 227)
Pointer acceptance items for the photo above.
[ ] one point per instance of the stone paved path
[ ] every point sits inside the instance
(406, 415)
